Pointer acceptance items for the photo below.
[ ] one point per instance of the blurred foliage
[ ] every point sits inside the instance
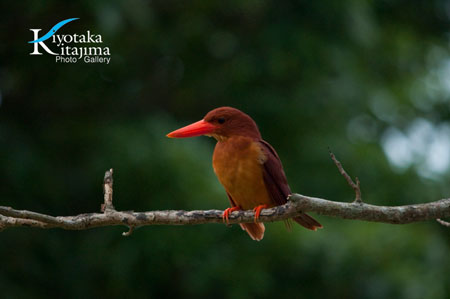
(361, 77)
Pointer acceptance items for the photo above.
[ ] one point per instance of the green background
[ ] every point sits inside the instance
(369, 79)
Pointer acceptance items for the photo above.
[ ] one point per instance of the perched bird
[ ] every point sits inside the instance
(247, 166)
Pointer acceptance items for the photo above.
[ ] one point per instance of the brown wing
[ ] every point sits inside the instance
(274, 177)
(277, 186)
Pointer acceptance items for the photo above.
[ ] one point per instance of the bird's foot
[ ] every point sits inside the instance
(257, 211)
(227, 213)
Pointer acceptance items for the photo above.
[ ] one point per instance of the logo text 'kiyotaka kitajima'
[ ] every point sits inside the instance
(68, 45)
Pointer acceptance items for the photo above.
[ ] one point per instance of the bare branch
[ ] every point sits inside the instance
(444, 223)
(107, 191)
(129, 232)
(296, 204)
(349, 180)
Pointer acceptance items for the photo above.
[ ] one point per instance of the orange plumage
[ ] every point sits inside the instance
(247, 166)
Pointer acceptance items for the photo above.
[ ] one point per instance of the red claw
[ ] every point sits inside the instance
(257, 211)
(227, 213)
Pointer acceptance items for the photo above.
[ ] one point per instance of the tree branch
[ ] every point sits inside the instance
(356, 210)
(444, 223)
(297, 204)
(349, 180)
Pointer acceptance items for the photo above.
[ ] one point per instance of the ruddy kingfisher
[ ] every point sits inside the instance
(247, 166)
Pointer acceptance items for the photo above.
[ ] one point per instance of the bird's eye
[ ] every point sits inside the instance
(221, 120)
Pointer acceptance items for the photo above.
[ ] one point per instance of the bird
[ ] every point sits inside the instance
(248, 167)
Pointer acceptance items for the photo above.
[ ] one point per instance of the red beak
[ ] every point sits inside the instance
(196, 129)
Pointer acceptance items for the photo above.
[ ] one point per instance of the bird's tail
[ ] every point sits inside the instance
(254, 230)
(307, 221)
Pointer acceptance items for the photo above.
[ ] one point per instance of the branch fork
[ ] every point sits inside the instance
(107, 207)
(357, 210)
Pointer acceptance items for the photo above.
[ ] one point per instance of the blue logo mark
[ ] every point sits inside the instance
(53, 31)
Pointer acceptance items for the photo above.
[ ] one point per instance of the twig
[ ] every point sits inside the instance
(444, 223)
(356, 187)
(107, 191)
(107, 207)
(129, 232)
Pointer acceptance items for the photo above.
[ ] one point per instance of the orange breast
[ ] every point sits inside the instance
(238, 164)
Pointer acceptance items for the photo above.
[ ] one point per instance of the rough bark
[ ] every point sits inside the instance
(356, 210)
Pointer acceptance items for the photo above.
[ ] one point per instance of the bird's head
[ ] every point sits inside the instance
(220, 123)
